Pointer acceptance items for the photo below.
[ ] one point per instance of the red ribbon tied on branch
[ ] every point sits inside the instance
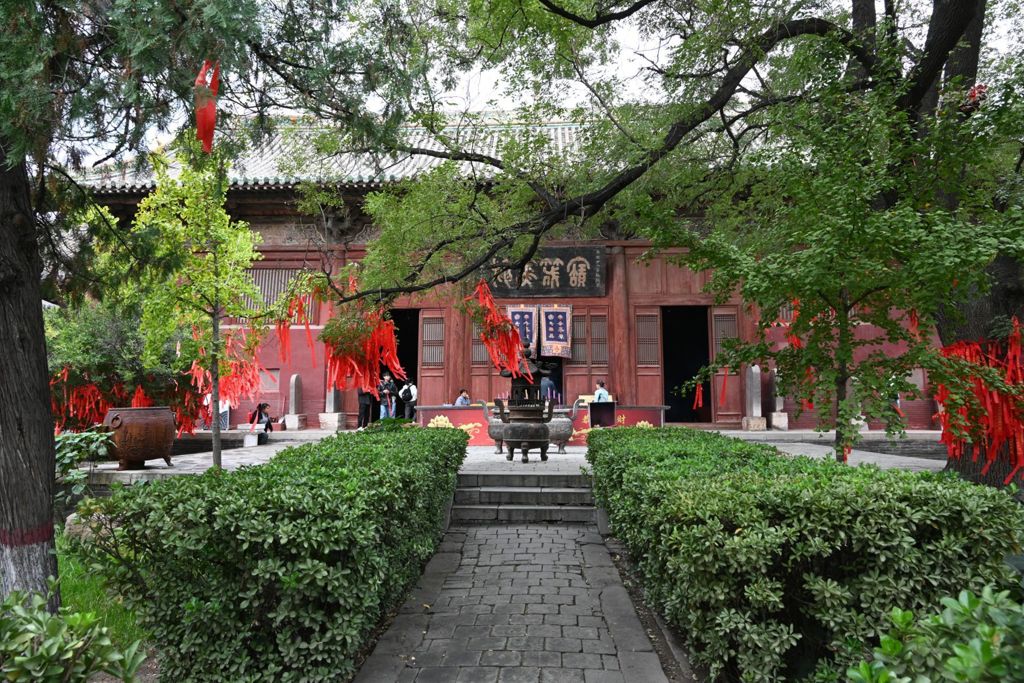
(997, 420)
(206, 103)
(499, 335)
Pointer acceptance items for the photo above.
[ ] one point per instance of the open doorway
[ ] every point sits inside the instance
(684, 338)
(407, 324)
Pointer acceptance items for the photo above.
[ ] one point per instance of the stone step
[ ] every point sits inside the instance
(523, 495)
(490, 514)
(515, 479)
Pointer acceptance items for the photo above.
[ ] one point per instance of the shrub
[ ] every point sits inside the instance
(974, 639)
(279, 572)
(66, 647)
(72, 449)
(780, 568)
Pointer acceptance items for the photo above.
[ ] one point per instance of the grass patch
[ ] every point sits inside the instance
(84, 591)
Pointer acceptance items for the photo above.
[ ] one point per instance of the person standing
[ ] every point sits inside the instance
(365, 408)
(387, 391)
(547, 388)
(409, 395)
(601, 394)
(463, 398)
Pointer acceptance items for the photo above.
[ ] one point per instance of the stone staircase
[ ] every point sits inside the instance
(506, 497)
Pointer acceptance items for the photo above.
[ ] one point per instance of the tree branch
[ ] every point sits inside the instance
(599, 19)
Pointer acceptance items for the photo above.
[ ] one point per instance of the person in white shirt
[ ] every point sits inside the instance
(601, 394)
(409, 395)
(463, 399)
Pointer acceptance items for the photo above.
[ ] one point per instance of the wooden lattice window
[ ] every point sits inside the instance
(647, 342)
(579, 340)
(725, 328)
(272, 284)
(480, 355)
(433, 342)
(599, 340)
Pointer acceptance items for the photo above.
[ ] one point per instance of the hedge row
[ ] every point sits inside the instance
(279, 572)
(780, 568)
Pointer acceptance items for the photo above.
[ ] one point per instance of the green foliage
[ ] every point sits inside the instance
(66, 647)
(101, 341)
(779, 568)
(279, 572)
(83, 590)
(73, 448)
(200, 255)
(976, 639)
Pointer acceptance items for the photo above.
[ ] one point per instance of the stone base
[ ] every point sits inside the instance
(293, 422)
(333, 422)
(780, 421)
(754, 424)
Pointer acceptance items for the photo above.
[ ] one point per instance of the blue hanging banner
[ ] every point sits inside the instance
(525, 320)
(556, 330)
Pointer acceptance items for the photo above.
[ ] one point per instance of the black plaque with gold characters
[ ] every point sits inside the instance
(556, 271)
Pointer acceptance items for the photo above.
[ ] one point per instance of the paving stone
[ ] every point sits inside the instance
(461, 658)
(477, 674)
(501, 658)
(559, 675)
(579, 632)
(487, 643)
(527, 643)
(521, 674)
(437, 674)
(578, 660)
(527, 618)
(532, 603)
(563, 644)
(540, 658)
(545, 630)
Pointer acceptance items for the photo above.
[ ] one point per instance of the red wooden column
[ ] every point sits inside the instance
(458, 353)
(621, 361)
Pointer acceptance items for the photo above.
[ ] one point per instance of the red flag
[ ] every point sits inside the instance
(206, 104)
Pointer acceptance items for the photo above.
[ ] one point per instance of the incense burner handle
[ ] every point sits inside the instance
(577, 404)
(500, 405)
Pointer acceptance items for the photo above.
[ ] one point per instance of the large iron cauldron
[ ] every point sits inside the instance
(525, 426)
(140, 434)
(495, 428)
(560, 427)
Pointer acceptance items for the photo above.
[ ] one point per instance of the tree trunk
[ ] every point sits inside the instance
(215, 385)
(844, 357)
(26, 424)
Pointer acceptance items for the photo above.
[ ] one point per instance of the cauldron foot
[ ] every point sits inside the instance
(543, 456)
(508, 456)
(561, 449)
(526, 458)
(498, 448)
(167, 459)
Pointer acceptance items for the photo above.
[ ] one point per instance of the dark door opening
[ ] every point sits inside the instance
(684, 339)
(556, 378)
(407, 324)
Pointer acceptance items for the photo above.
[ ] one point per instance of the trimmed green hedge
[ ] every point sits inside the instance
(279, 572)
(975, 639)
(780, 568)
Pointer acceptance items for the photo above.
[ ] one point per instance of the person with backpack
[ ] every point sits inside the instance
(409, 394)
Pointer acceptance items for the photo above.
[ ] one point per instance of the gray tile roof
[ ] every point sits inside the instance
(293, 155)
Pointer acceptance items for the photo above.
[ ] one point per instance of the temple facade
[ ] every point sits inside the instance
(643, 327)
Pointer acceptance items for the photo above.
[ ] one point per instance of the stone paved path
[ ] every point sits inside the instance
(522, 604)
